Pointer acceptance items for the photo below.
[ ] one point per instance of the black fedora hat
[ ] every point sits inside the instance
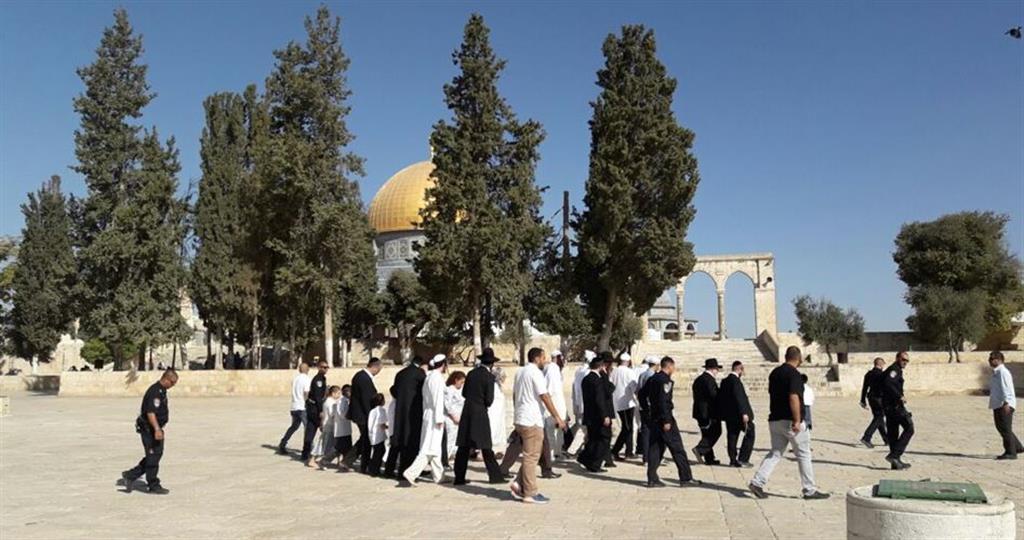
(712, 363)
(488, 357)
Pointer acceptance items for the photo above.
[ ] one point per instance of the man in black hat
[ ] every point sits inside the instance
(734, 407)
(597, 416)
(407, 424)
(360, 405)
(705, 412)
(475, 424)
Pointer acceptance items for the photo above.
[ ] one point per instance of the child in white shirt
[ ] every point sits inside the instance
(808, 401)
(342, 425)
(324, 444)
(377, 426)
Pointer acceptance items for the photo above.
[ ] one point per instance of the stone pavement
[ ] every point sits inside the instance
(60, 458)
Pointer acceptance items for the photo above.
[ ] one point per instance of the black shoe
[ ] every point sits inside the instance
(610, 464)
(463, 482)
(1006, 456)
(712, 462)
(617, 457)
(690, 483)
(128, 481)
(867, 443)
(817, 495)
(735, 464)
(898, 465)
(282, 451)
(655, 484)
(551, 475)
(758, 491)
(746, 464)
(700, 456)
(158, 490)
(630, 455)
(892, 460)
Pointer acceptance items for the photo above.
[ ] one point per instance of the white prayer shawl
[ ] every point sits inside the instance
(433, 414)
(325, 438)
(496, 415)
(624, 379)
(553, 376)
(342, 425)
(577, 390)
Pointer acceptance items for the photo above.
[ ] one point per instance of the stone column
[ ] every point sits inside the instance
(721, 313)
(643, 323)
(680, 318)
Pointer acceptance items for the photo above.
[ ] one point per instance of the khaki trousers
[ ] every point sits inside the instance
(533, 442)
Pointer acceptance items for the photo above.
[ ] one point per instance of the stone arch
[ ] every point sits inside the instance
(759, 267)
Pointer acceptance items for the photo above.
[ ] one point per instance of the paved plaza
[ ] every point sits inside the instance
(60, 459)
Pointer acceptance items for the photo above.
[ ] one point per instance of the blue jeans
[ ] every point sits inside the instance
(298, 419)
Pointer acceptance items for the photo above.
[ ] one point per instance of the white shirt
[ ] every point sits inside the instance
(453, 403)
(1001, 389)
(577, 389)
(330, 409)
(553, 376)
(529, 386)
(342, 425)
(300, 385)
(376, 424)
(624, 395)
(391, 418)
(808, 396)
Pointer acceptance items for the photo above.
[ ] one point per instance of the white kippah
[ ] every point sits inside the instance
(437, 359)
(589, 355)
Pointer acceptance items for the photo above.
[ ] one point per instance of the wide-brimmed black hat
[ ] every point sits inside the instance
(488, 358)
(712, 363)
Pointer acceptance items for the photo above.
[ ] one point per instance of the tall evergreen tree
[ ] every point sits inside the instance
(220, 276)
(481, 221)
(43, 275)
(632, 233)
(324, 240)
(130, 225)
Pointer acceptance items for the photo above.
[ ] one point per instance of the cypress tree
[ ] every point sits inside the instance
(219, 276)
(130, 225)
(481, 222)
(43, 275)
(632, 233)
(324, 242)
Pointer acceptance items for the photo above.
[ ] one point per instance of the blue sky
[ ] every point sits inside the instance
(821, 126)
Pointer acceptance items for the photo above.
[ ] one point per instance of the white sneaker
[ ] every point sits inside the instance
(517, 492)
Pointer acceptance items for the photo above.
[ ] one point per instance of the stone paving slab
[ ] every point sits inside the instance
(60, 459)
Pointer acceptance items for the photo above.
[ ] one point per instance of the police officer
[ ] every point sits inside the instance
(871, 394)
(153, 416)
(897, 416)
(314, 408)
(664, 433)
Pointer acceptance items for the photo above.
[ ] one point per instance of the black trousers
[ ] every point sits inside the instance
(150, 463)
(444, 448)
(597, 448)
(342, 445)
(312, 426)
(490, 462)
(625, 437)
(1004, 425)
(298, 419)
(643, 435)
(515, 449)
(708, 438)
(376, 456)
(362, 449)
(660, 440)
(900, 428)
(732, 435)
(877, 422)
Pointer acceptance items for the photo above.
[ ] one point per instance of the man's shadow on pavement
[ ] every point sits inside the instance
(294, 454)
(499, 492)
(137, 485)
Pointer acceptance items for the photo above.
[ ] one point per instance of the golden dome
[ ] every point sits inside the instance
(397, 205)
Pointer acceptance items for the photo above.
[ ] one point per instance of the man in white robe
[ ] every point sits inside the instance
(432, 432)
(578, 430)
(553, 376)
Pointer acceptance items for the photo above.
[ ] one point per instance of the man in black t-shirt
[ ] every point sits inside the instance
(787, 428)
(153, 416)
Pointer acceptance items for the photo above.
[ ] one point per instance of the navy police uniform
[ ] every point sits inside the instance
(155, 401)
(871, 395)
(657, 398)
(898, 420)
(314, 406)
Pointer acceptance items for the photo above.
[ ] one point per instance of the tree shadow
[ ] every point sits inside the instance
(293, 454)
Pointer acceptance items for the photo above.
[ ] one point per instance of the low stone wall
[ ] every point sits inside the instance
(926, 379)
(16, 384)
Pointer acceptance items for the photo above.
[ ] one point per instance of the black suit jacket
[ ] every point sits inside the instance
(732, 400)
(705, 392)
(475, 423)
(361, 402)
(408, 396)
(596, 399)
